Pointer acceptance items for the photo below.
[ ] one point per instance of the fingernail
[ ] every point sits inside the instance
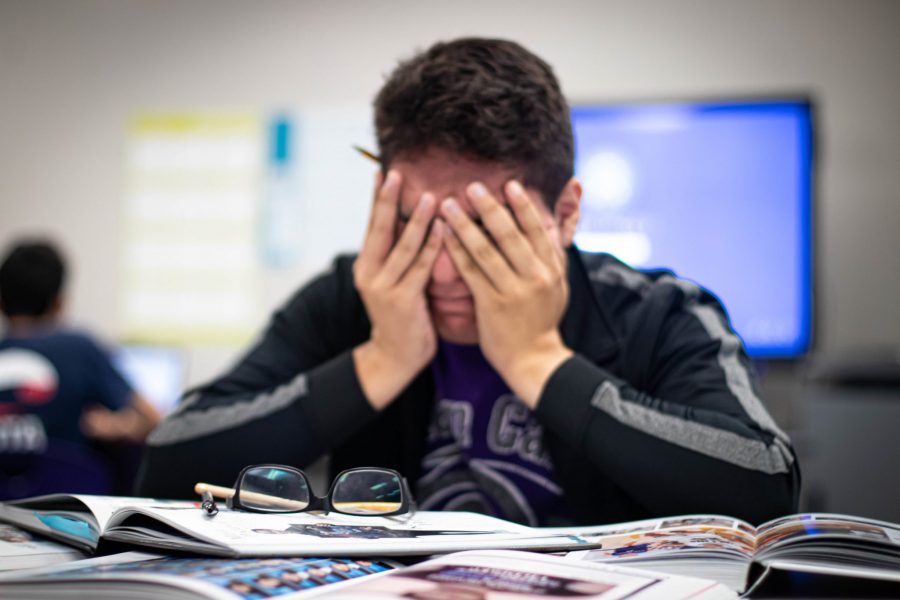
(450, 206)
(515, 188)
(477, 190)
(392, 177)
(426, 202)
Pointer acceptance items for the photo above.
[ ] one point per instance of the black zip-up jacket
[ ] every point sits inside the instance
(657, 413)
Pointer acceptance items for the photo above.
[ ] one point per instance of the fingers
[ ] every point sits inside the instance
(530, 222)
(417, 275)
(503, 228)
(408, 247)
(465, 265)
(379, 182)
(380, 235)
(482, 251)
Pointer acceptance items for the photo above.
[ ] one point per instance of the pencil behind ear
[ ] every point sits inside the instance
(568, 210)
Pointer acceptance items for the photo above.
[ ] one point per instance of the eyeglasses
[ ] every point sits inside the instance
(363, 491)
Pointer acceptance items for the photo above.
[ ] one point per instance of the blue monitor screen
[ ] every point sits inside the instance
(718, 192)
(157, 373)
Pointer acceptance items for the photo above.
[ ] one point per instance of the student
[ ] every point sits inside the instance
(58, 390)
(473, 348)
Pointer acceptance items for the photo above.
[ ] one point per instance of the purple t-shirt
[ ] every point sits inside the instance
(485, 448)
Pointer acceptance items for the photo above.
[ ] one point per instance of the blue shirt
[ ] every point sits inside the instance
(47, 379)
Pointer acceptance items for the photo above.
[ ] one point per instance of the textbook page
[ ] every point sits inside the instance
(237, 533)
(726, 549)
(76, 519)
(712, 546)
(21, 550)
(136, 575)
(512, 575)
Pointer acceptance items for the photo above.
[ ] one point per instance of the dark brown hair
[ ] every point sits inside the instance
(31, 277)
(482, 99)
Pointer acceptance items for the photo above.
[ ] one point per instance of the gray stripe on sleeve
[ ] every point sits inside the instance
(616, 274)
(705, 439)
(752, 454)
(736, 375)
(184, 425)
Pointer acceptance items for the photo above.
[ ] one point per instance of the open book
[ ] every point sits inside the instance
(475, 574)
(20, 550)
(89, 521)
(503, 574)
(721, 548)
(77, 520)
(137, 575)
(739, 555)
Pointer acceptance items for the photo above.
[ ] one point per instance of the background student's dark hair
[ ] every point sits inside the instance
(482, 99)
(31, 277)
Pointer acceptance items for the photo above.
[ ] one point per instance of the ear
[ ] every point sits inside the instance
(568, 210)
(56, 306)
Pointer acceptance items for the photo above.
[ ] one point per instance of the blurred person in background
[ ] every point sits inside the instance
(59, 392)
(473, 348)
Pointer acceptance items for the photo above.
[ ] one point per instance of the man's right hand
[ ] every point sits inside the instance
(391, 279)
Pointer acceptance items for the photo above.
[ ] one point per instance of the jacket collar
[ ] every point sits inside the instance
(586, 325)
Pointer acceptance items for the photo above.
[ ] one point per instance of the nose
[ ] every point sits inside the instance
(443, 271)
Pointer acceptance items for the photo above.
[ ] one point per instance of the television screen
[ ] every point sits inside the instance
(719, 192)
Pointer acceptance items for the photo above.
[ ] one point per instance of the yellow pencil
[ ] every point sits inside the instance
(367, 154)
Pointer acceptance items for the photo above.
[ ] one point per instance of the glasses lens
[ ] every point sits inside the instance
(273, 489)
(367, 492)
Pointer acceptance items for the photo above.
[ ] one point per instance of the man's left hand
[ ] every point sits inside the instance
(517, 275)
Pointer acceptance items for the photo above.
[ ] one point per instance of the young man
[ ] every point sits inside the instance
(470, 346)
(57, 387)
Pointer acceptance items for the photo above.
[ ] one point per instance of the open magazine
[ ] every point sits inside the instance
(476, 575)
(739, 555)
(88, 521)
(722, 548)
(77, 520)
(136, 575)
(21, 550)
(513, 575)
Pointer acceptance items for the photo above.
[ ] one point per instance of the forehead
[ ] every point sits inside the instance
(445, 174)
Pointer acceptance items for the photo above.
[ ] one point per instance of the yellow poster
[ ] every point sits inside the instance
(189, 263)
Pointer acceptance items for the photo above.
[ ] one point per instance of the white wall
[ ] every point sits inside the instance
(73, 71)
